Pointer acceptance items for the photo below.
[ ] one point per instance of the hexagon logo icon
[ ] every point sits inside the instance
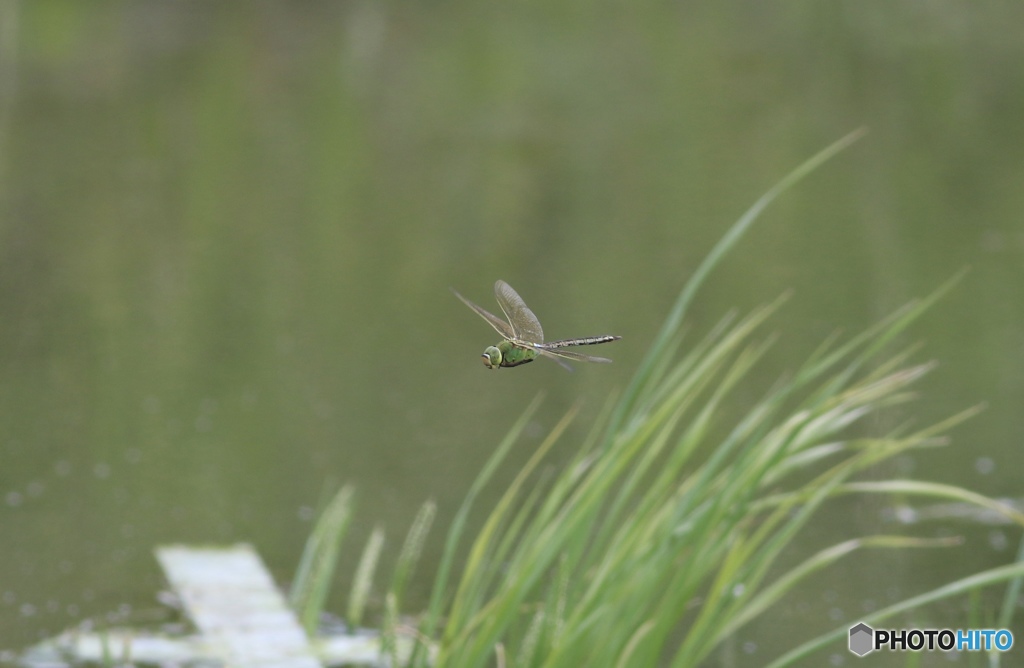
(861, 639)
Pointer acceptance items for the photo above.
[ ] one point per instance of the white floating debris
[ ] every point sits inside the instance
(241, 619)
(233, 602)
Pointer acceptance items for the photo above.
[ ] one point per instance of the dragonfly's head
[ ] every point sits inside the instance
(492, 357)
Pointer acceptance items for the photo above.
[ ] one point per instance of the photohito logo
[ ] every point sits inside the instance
(864, 639)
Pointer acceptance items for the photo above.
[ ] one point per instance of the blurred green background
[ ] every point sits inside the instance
(227, 234)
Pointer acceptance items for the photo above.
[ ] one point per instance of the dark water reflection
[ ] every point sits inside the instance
(227, 240)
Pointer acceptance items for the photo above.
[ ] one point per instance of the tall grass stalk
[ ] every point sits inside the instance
(316, 568)
(363, 580)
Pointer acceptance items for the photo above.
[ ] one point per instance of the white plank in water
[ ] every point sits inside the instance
(143, 647)
(232, 600)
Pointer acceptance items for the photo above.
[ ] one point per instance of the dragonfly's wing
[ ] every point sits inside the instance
(494, 321)
(554, 358)
(525, 326)
(570, 355)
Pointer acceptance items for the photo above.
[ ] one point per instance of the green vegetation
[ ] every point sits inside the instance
(662, 536)
(316, 569)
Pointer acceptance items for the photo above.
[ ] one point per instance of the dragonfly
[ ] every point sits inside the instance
(524, 337)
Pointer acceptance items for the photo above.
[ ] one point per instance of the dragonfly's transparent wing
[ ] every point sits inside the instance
(569, 355)
(494, 321)
(525, 326)
(554, 358)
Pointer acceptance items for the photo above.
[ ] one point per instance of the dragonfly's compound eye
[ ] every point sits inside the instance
(492, 357)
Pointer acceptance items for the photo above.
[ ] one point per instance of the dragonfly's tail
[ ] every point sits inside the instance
(585, 341)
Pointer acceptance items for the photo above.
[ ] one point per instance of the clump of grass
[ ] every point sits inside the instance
(656, 542)
(662, 535)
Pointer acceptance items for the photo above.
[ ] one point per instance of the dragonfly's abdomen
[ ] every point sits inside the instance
(585, 341)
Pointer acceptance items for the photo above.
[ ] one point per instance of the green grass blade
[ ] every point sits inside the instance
(672, 324)
(440, 590)
(1012, 595)
(784, 583)
(363, 579)
(412, 549)
(466, 613)
(316, 567)
(938, 490)
(960, 587)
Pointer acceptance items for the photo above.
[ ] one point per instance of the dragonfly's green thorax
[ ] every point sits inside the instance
(507, 353)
